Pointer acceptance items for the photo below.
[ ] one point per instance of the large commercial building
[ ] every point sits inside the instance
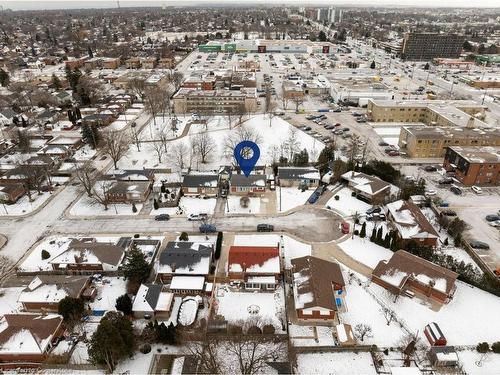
(214, 101)
(268, 46)
(359, 90)
(431, 141)
(428, 46)
(474, 165)
(430, 112)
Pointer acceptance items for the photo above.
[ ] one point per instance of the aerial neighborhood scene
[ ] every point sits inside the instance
(213, 187)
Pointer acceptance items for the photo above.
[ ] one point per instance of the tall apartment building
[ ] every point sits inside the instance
(427, 46)
(431, 141)
(474, 165)
(214, 101)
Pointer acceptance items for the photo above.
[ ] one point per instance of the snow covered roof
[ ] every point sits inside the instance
(180, 257)
(27, 333)
(253, 180)
(254, 259)
(404, 266)
(53, 288)
(298, 173)
(409, 221)
(200, 180)
(187, 283)
(151, 298)
(313, 282)
(370, 185)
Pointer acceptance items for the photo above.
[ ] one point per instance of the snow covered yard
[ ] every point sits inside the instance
(365, 251)
(188, 206)
(343, 363)
(347, 205)
(53, 245)
(263, 307)
(291, 197)
(234, 206)
(86, 206)
(23, 206)
(489, 364)
(8, 300)
(163, 125)
(292, 247)
(311, 335)
(108, 290)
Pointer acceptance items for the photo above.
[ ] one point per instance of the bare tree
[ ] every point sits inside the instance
(84, 172)
(243, 133)
(115, 144)
(137, 86)
(292, 144)
(285, 100)
(159, 145)
(229, 114)
(153, 101)
(136, 136)
(363, 331)
(180, 154)
(240, 112)
(176, 78)
(207, 354)
(298, 101)
(204, 145)
(100, 191)
(389, 314)
(252, 355)
(89, 90)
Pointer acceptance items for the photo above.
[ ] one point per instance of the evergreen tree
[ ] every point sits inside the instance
(91, 135)
(124, 304)
(73, 77)
(78, 113)
(373, 237)
(56, 82)
(379, 236)
(387, 240)
(90, 53)
(373, 65)
(322, 36)
(184, 237)
(155, 204)
(134, 208)
(71, 309)
(135, 267)
(362, 234)
(112, 341)
(301, 159)
(218, 245)
(326, 157)
(4, 78)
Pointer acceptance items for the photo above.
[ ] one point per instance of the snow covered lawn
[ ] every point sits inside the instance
(53, 245)
(86, 206)
(8, 300)
(235, 206)
(347, 205)
(107, 293)
(187, 206)
(343, 363)
(24, 206)
(291, 197)
(459, 254)
(311, 336)
(470, 358)
(292, 247)
(164, 125)
(266, 307)
(365, 251)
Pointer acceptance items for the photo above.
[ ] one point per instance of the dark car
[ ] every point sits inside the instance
(445, 181)
(265, 228)
(162, 217)
(492, 217)
(456, 190)
(430, 168)
(374, 209)
(475, 244)
(448, 213)
(207, 228)
(393, 153)
(383, 143)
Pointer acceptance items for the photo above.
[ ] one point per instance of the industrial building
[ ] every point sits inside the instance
(474, 165)
(428, 46)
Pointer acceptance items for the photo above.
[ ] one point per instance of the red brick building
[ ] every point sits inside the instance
(318, 288)
(474, 165)
(405, 271)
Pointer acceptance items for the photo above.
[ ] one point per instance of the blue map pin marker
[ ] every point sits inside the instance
(246, 159)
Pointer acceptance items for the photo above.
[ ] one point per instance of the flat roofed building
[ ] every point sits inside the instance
(214, 101)
(428, 46)
(431, 142)
(474, 165)
(359, 90)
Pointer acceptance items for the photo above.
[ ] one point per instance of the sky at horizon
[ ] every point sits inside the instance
(78, 4)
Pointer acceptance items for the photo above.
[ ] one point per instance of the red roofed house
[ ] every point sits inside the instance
(259, 267)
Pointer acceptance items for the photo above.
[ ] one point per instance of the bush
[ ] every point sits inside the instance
(233, 329)
(337, 197)
(134, 208)
(353, 194)
(268, 329)
(45, 254)
(496, 347)
(184, 237)
(254, 330)
(356, 232)
(483, 347)
(145, 349)
(218, 245)
(155, 204)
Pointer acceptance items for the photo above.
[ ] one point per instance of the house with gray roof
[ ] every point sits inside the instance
(298, 176)
(151, 300)
(200, 184)
(243, 185)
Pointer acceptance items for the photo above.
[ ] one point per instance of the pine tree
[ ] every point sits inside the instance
(373, 237)
(56, 82)
(372, 65)
(362, 234)
(155, 204)
(134, 208)
(124, 304)
(184, 237)
(218, 245)
(135, 267)
(90, 53)
(387, 240)
(91, 135)
(4, 78)
(379, 239)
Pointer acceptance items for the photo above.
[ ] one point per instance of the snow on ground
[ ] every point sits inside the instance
(347, 205)
(311, 335)
(187, 206)
(267, 307)
(365, 251)
(107, 293)
(292, 247)
(63, 347)
(235, 207)
(466, 320)
(54, 245)
(343, 363)
(291, 197)
(84, 153)
(164, 126)
(139, 363)
(86, 206)
(488, 365)
(188, 310)
(8, 300)
(459, 254)
(24, 206)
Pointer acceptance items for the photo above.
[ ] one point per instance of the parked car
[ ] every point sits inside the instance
(377, 216)
(361, 119)
(445, 181)
(196, 217)
(207, 228)
(430, 193)
(456, 190)
(475, 244)
(344, 227)
(448, 213)
(265, 228)
(162, 217)
(430, 168)
(383, 143)
(492, 217)
(477, 189)
(393, 153)
(495, 223)
(313, 198)
(373, 210)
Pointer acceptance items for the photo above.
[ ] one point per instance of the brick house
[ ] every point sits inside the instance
(474, 165)
(405, 271)
(200, 184)
(298, 176)
(88, 256)
(254, 184)
(318, 287)
(258, 267)
(45, 292)
(28, 337)
(129, 191)
(153, 301)
(11, 192)
(411, 225)
(369, 188)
